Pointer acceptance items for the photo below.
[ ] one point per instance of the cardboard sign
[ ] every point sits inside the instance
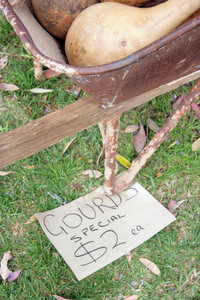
(92, 231)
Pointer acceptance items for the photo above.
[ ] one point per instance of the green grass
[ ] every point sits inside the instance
(43, 272)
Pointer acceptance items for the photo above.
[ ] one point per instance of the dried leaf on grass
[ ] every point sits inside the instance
(78, 186)
(133, 297)
(50, 73)
(9, 34)
(131, 128)
(14, 275)
(3, 62)
(159, 174)
(13, 87)
(92, 173)
(60, 298)
(128, 256)
(32, 219)
(178, 101)
(152, 125)
(196, 145)
(3, 108)
(2, 173)
(40, 91)
(140, 139)
(173, 205)
(8, 87)
(68, 144)
(17, 229)
(196, 109)
(4, 271)
(150, 265)
(194, 275)
(101, 155)
(31, 167)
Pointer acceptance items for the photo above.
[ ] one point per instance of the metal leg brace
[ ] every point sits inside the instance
(41, 74)
(125, 179)
(111, 141)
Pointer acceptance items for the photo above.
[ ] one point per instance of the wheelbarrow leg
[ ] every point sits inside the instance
(111, 142)
(41, 74)
(126, 178)
(38, 70)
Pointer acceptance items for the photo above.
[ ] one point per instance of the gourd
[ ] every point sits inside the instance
(128, 2)
(107, 32)
(56, 16)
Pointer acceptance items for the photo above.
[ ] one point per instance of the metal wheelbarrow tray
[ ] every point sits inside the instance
(119, 86)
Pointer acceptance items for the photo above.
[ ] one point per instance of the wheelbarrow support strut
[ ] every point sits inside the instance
(125, 179)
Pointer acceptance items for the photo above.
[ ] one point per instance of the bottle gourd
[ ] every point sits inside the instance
(56, 16)
(107, 32)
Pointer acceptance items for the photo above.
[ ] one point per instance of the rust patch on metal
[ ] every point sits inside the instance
(38, 70)
(111, 142)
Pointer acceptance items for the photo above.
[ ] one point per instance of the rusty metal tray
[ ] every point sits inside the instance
(174, 56)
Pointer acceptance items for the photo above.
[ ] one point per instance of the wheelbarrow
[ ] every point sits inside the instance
(113, 88)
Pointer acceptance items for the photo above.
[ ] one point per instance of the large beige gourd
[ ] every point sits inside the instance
(107, 32)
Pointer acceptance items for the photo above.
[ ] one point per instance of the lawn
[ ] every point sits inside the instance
(49, 179)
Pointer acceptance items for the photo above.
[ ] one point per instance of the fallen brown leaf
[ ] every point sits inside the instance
(133, 297)
(150, 265)
(2, 173)
(40, 91)
(196, 145)
(3, 62)
(78, 186)
(152, 125)
(68, 144)
(8, 87)
(128, 256)
(60, 298)
(50, 73)
(4, 271)
(3, 108)
(140, 139)
(14, 275)
(17, 230)
(92, 173)
(32, 219)
(131, 128)
(178, 101)
(173, 205)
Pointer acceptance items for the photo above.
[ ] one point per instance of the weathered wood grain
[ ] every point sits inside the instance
(84, 113)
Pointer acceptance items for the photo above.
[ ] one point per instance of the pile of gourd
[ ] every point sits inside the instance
(100, 33)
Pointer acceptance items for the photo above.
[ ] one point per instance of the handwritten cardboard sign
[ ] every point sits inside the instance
(92, 231)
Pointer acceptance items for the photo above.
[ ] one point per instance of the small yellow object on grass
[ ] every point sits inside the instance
(123, 161)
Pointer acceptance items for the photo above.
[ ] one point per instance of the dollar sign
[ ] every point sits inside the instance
(93, 254)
